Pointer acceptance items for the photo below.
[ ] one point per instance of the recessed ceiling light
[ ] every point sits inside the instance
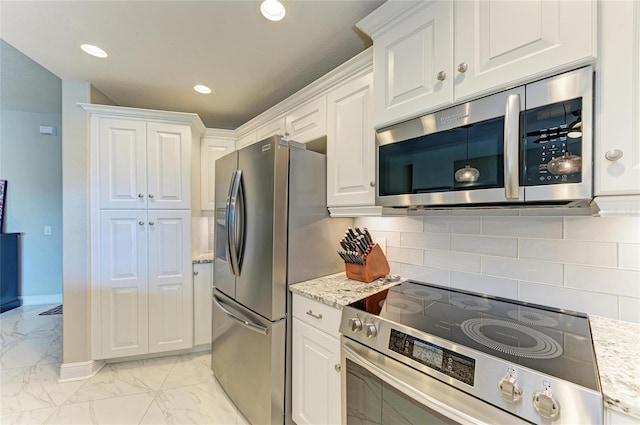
(273, 10)
(94, 50)
(202, 89)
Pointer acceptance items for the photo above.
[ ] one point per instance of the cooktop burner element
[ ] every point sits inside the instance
(511, 338)
(523, 358)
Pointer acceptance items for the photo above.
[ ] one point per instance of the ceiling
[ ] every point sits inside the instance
(158, 50)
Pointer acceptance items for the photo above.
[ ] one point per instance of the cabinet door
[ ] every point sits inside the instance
(202, 303)
(350, 145)
(168, 166)
(211, 149)
(123, 283)
(506, 42)
(618, 100)
(307, 122)
(412, 65)
(122, 162)
(271, 128)
(170, 280)
(246, 140)
(316, 376)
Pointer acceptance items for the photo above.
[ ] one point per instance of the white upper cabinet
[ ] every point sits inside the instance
(617, 106)
(212, 147)
(308, 122)
(350, 144)
(144, 165)
(430, 54)
(246, 140)
(276, 126)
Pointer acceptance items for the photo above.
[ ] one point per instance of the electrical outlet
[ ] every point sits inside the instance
(47, 230)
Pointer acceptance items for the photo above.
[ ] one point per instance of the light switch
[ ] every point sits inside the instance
(47, 230)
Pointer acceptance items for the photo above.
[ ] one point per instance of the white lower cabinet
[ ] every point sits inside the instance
(612, 417)
(146, 293)
(202, 299)
(316, 391)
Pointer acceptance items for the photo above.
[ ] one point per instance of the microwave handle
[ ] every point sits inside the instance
(511, 146)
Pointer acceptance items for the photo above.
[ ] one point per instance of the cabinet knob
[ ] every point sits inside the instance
(151, 223)
(195, 273)
(337, 367)
(613, 154)
(462, 67)
(151, 195)
(286, 134)
(372, 183)
(441, 76)
(141, 223)
(140, 195)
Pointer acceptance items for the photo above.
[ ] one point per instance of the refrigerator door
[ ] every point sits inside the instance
(248, 359)
(223, 276)
(261, 284)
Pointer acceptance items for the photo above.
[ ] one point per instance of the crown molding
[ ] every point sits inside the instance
(353, 68)
(389, 15)
(218, 133)
(186, 118)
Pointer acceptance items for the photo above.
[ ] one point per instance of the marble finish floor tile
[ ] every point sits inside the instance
(30, 417)
(190, 369)
(117, 410)
(30, 352)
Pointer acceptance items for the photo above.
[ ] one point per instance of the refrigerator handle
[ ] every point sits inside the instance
(252, 326)
(240, 223)
(235, 217)
(229, 222)
(511, 146)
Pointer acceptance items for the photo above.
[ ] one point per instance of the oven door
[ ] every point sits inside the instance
(380, 390)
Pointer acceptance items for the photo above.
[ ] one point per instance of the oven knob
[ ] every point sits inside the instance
(371, 330)
(546, 404)
(509, 389)
(355, 325)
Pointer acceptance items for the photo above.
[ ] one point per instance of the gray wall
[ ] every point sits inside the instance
(32, 164)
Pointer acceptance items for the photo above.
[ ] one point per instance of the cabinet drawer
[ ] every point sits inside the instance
(316, 314)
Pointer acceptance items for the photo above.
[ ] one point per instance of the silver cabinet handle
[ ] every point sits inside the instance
(441, 76)
(317, 316)
(141, 223)
(140, 195)
(462, 67)
(151, 223)
(195, 273)
(337, 367)
(613, 154)
(151, 195)
(511, 145)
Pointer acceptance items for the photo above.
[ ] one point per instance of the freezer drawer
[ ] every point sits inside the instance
(248, 359)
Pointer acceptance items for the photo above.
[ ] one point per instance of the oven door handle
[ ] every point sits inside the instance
(417, 395)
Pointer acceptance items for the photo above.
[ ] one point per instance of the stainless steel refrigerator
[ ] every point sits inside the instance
(272, 230)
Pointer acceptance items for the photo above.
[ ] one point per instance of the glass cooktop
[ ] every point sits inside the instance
(552, 341)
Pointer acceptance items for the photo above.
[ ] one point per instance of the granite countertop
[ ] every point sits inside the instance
(618, 357)
(337, 291)
(205, 257)
(615, 342)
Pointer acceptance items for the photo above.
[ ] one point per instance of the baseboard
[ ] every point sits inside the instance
(41, 299)
(79, 371)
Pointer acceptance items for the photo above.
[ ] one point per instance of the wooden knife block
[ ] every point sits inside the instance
(375, 266)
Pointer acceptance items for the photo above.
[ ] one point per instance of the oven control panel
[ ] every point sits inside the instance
(445, 361)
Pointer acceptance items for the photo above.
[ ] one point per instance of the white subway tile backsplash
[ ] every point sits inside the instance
(452, 261)
(629, 256)
(603, 229)
(581, 301)
(488, 245)
(463, 225)
(496, 286)
(535, 271)
(441, 241)
(392, 238)
(603, 254)
(404, 255)
(523, 227)
(397, 224)
(426, 274)
(597, 279)
(630, 309)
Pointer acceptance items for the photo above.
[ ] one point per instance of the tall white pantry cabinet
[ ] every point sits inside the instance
(141, 189)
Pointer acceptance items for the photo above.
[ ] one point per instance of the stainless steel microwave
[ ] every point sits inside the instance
(530, 144)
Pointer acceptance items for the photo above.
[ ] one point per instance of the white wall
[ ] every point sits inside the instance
(585, 264)
(31, 163)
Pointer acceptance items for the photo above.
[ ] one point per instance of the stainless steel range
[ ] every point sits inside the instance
(420, 353)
